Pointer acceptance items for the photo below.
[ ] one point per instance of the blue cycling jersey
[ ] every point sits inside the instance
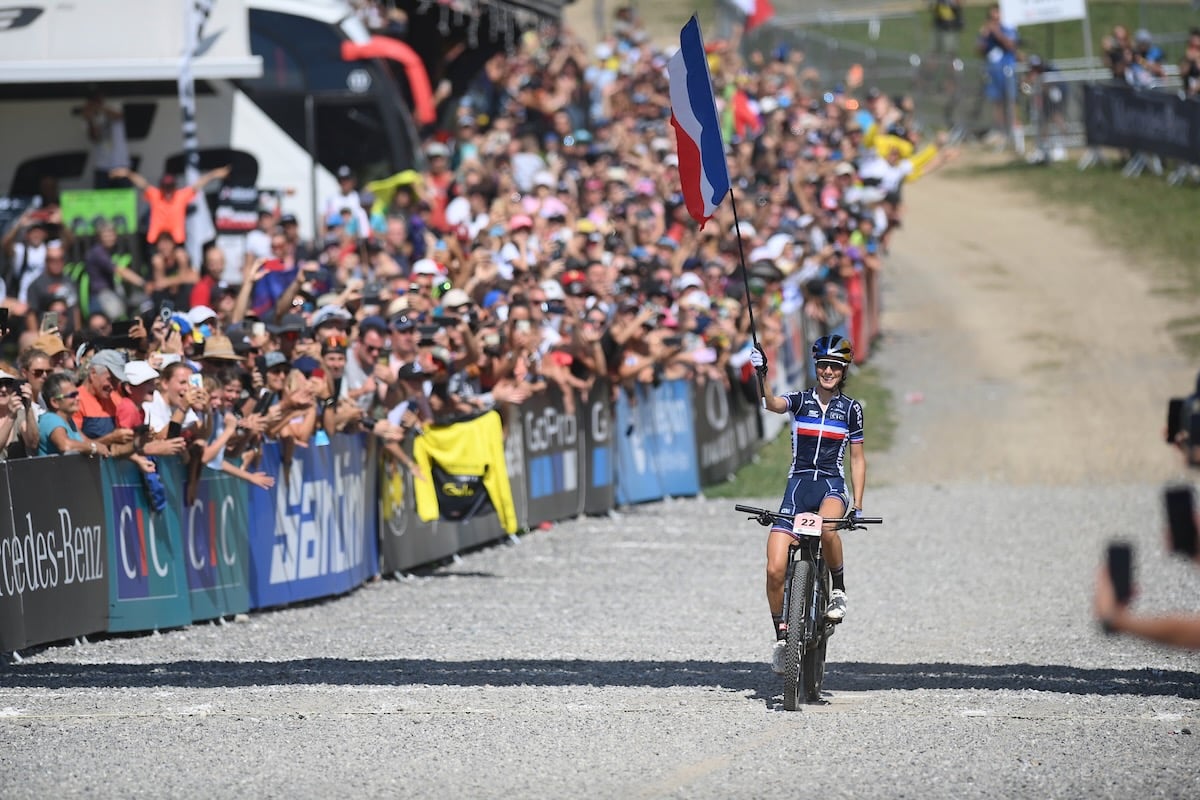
(819, 438)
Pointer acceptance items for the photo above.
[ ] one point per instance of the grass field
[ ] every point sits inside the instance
(912, 34)
(1153, 222)
(766, 476)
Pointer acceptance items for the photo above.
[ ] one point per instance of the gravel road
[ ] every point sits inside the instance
(627, 657)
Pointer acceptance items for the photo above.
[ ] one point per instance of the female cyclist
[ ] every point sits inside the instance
(824, 422)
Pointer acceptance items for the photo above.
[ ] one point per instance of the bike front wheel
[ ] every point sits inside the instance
(814, 656)
(799, 593)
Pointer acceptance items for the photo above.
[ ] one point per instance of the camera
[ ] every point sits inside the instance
(1183, 424)
(554, 307)
(672, 341)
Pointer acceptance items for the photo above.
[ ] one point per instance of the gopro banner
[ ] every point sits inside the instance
(148, 588)
(552, 454)
(53, 564)
(216, 545)
(308, 536)
(596, 422)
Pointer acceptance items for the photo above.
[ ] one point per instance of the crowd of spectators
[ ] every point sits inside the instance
(544, 243)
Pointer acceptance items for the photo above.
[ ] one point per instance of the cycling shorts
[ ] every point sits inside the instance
(806, 495)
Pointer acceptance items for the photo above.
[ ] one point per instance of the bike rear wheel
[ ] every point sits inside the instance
(814, 655)
(799, 592)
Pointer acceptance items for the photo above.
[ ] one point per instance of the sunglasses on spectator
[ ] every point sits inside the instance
(67, 396)
(39, 373)
(335, 340)
(372, 348)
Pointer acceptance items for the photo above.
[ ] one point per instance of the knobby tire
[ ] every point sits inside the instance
(814, 656)
(793, 662)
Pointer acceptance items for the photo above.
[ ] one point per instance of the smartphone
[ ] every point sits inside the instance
(1120, 570)
(196, 380)
(3, 319)
(672, 341)
(49, 322)
(1181, 519)
(174, 430)
(166, 310)
(1174, 418)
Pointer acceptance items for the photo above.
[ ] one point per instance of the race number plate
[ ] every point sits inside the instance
(807, 525)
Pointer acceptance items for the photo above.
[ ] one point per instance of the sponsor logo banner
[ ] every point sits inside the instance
(149, 588)
(308, 535)
(53, 564)
(637, 477)
(553, 449)
(596, 423)
(216, 545)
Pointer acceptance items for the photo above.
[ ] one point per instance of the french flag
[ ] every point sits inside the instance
(757, 12)
(703, 173)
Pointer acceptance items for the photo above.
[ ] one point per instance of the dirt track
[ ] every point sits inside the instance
(1037, 354)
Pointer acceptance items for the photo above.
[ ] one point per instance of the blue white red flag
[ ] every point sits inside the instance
(703, 171)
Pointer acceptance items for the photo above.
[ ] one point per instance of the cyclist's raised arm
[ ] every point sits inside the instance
(779, 405)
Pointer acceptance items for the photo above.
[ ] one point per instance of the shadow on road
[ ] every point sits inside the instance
(737, 676)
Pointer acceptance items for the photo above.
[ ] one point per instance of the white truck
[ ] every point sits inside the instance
(275, 97)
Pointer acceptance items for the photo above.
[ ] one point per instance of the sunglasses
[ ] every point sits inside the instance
(371, 348)
(335, 341)
(831, 366)
(39, 373)
(67, 396)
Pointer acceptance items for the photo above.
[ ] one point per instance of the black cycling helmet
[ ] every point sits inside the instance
(833, 348)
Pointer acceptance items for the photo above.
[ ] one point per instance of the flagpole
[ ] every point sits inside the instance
(737, 227)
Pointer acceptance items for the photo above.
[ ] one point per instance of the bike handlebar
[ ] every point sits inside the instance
(844, 521)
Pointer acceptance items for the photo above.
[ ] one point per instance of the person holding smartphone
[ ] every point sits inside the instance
(1114, 582)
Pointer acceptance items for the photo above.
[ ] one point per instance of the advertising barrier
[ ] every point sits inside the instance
(216, 542)
(553, 452)
(596, 424)
(149, 587)
(1143, 121)
(656, 449)
(726, 428)
(335, 511)
(309, 536)
(53, 564)
(406, 541)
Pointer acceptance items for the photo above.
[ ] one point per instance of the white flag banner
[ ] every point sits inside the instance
(1035, 12)
(199, 221)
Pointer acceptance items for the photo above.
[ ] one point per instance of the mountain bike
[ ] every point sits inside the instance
(805, 598)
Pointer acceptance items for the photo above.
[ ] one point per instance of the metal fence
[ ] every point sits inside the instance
(893, 44)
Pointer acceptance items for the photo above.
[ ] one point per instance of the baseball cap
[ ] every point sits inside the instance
(275, 359)
(520, 221)
(332, 313)
(403, 322)
(307, 365)
(111, 360)
(139, 372)
(426, 266)
(455, 298)
(410, 371)
(197, 315)
(372, 323)
(844, 168)
(553, 290)
(436, 150)
(289, 219)
(344, 171)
